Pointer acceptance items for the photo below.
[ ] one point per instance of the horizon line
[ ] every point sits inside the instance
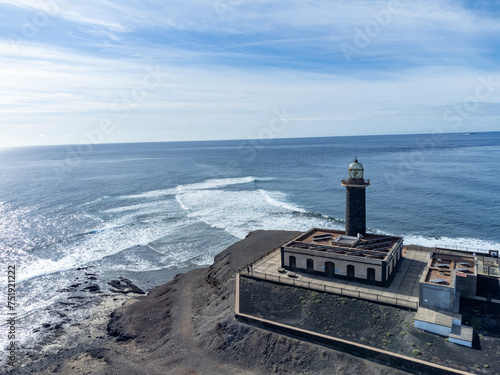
(243, 139)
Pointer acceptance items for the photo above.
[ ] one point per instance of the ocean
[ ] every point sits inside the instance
(148, 211)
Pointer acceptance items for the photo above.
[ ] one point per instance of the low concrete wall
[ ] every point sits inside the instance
(366, 352)
(484, 299)
(431, 327)
(387, 358)
(343, 291)
(460, 342)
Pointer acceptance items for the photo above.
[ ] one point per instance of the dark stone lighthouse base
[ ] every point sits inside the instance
(355, 218)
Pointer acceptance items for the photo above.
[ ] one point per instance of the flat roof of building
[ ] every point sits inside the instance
(372, 246)
(441, 267)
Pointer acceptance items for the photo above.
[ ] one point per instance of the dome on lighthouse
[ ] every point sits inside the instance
(356, 170)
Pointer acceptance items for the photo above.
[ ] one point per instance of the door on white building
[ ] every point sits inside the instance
(310, 265)
(350, 270)
(370, 274)
(330, 269)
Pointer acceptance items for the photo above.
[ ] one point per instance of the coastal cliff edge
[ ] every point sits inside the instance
(187, 326)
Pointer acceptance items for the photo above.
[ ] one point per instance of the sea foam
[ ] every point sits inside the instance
(241, 211)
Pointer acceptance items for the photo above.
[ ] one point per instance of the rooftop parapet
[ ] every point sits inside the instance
(370, 246)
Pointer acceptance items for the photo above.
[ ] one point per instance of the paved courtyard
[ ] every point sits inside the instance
(404, 286)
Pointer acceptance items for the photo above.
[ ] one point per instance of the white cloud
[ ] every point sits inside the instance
(90, 13)
(261, 16)
(72, 93)
(224, 75)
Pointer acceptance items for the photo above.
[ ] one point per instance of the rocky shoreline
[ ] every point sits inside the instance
(188, 327)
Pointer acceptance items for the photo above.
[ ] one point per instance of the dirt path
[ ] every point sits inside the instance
(187, 321)
(185, 311)
(188, 327)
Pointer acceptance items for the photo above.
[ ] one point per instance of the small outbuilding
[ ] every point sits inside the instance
(448, 276)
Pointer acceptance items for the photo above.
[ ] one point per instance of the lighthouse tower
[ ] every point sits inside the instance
(355, 207)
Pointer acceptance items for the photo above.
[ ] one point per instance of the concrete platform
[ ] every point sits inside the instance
(444, 319)
(444, 324)
(403, 290)
(435, 321)
(461, 335)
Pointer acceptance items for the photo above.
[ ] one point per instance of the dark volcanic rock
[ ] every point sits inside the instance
(190, 324)
(93, 288)
(117, 329)
(123, 285)
(115, 283)
(98, 353)
(188, 327)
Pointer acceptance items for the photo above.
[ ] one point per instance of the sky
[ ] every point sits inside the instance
(74, 71)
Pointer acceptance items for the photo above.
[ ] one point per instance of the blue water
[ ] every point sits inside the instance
(146, 211)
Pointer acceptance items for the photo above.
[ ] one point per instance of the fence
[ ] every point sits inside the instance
(245, 267)
(348, 292)
(363, 351)
(444, 249)
(470, 250)
(489, 270)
